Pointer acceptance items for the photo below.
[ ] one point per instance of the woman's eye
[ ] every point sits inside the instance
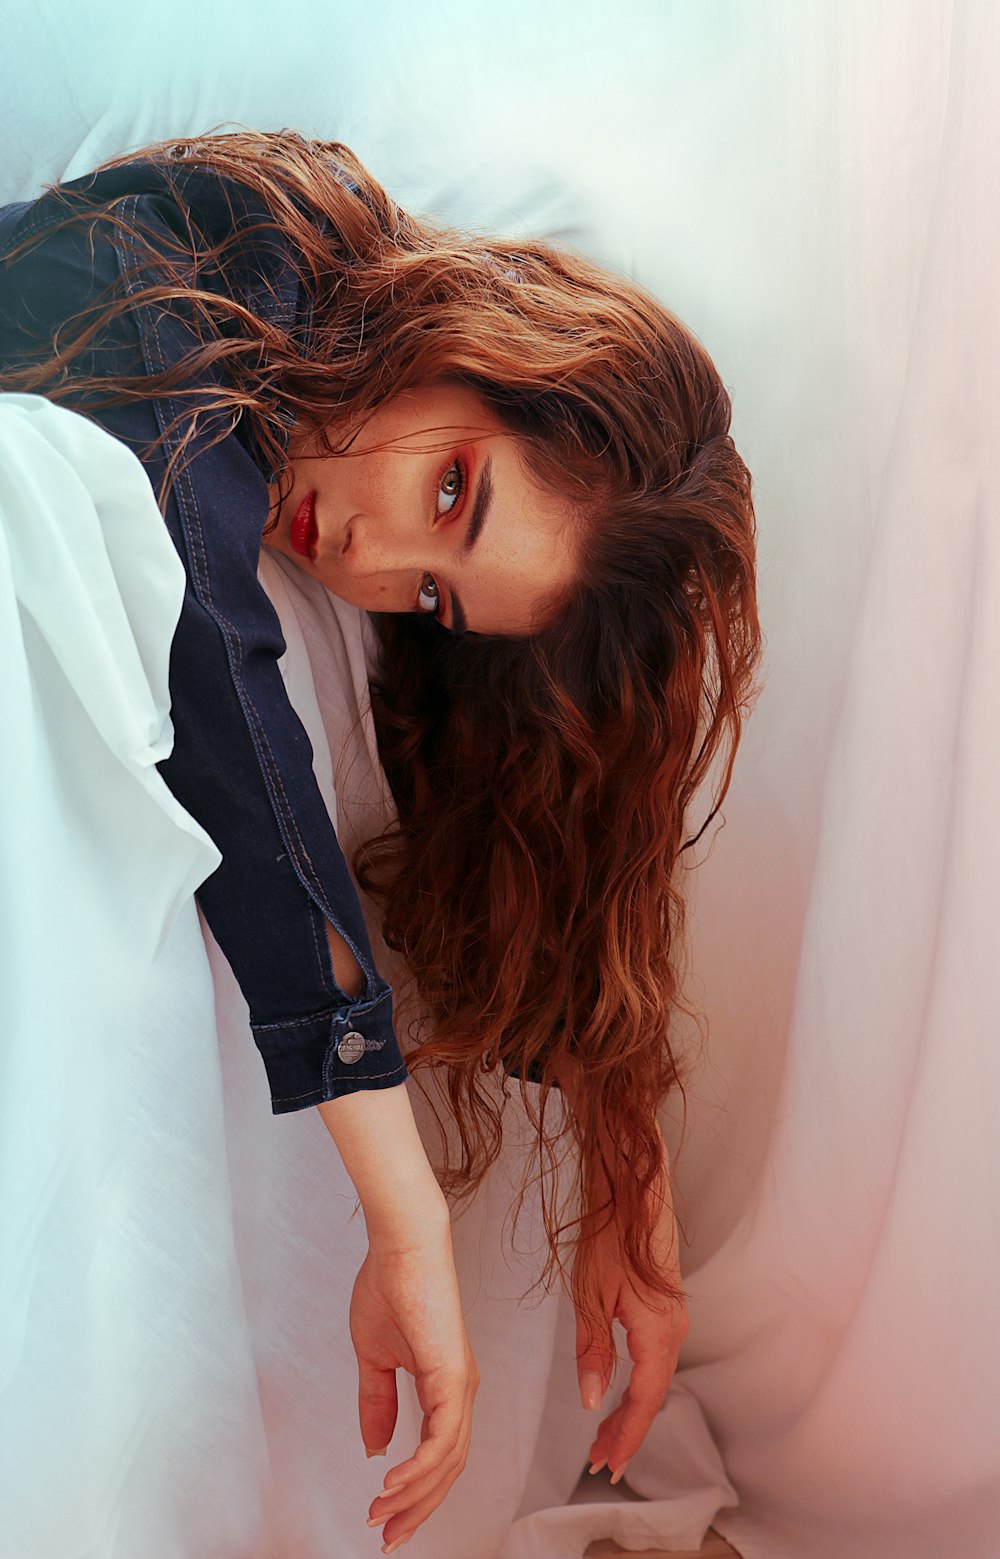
(450, 488)
(429, 597)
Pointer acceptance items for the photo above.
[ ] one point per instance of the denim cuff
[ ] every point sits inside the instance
(339, 1051)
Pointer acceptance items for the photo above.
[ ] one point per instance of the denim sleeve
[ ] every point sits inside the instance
(242, 762)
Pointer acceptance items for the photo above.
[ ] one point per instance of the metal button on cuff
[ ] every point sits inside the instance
(351, 1047)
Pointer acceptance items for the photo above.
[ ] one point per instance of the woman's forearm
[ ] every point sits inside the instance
(377, 1138)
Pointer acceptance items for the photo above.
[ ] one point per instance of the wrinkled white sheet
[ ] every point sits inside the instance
(844, 1341)
(177, 1264)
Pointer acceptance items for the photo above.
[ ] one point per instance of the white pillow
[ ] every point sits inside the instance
(431, 112)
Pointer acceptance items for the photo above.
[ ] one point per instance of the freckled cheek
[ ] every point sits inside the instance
(374, 596)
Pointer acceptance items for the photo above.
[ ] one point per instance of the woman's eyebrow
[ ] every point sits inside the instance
(480, 514)
(458, 622)
(480, 507)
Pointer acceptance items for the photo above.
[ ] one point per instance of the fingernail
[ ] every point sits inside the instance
(376, 1453)
(393, 1546)
(597, 1467)
(377, 1521)
(617, 1476)
(590, 1391)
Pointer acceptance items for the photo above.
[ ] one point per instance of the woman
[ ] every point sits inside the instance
(522, 465)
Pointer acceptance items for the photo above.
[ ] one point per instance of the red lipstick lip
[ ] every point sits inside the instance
(304, 532)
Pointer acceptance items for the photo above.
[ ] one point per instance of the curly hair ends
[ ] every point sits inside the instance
(543, 784)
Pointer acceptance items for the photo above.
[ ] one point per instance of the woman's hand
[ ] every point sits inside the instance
(406, 1313)
(655, 1328)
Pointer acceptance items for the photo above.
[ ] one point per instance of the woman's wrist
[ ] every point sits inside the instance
(408, 1227)
(377, 1138)
(404, 1214)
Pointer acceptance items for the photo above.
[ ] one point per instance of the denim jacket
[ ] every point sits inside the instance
(241, 763)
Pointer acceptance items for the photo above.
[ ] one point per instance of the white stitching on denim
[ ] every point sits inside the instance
(293, 1098)
(319, 949)
(328, 1015)
(34, 227)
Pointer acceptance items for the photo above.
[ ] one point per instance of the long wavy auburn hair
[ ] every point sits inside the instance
(545, 785)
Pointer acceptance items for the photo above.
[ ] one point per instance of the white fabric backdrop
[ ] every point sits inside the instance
(814, 189)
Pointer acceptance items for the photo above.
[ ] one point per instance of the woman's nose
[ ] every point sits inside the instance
(361, 553)
(372, 546)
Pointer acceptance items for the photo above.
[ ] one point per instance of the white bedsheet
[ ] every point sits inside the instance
(177, 1265)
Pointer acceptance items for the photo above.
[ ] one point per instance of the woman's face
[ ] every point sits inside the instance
(447, 521)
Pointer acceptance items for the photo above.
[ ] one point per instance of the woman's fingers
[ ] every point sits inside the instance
(432, 1459)
(654, 1318)
(402, 1510)
(377, 1405)
(402, 1526)
(594, 1360)
(654, 1342)
(624, 1430)
(416, 1487)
